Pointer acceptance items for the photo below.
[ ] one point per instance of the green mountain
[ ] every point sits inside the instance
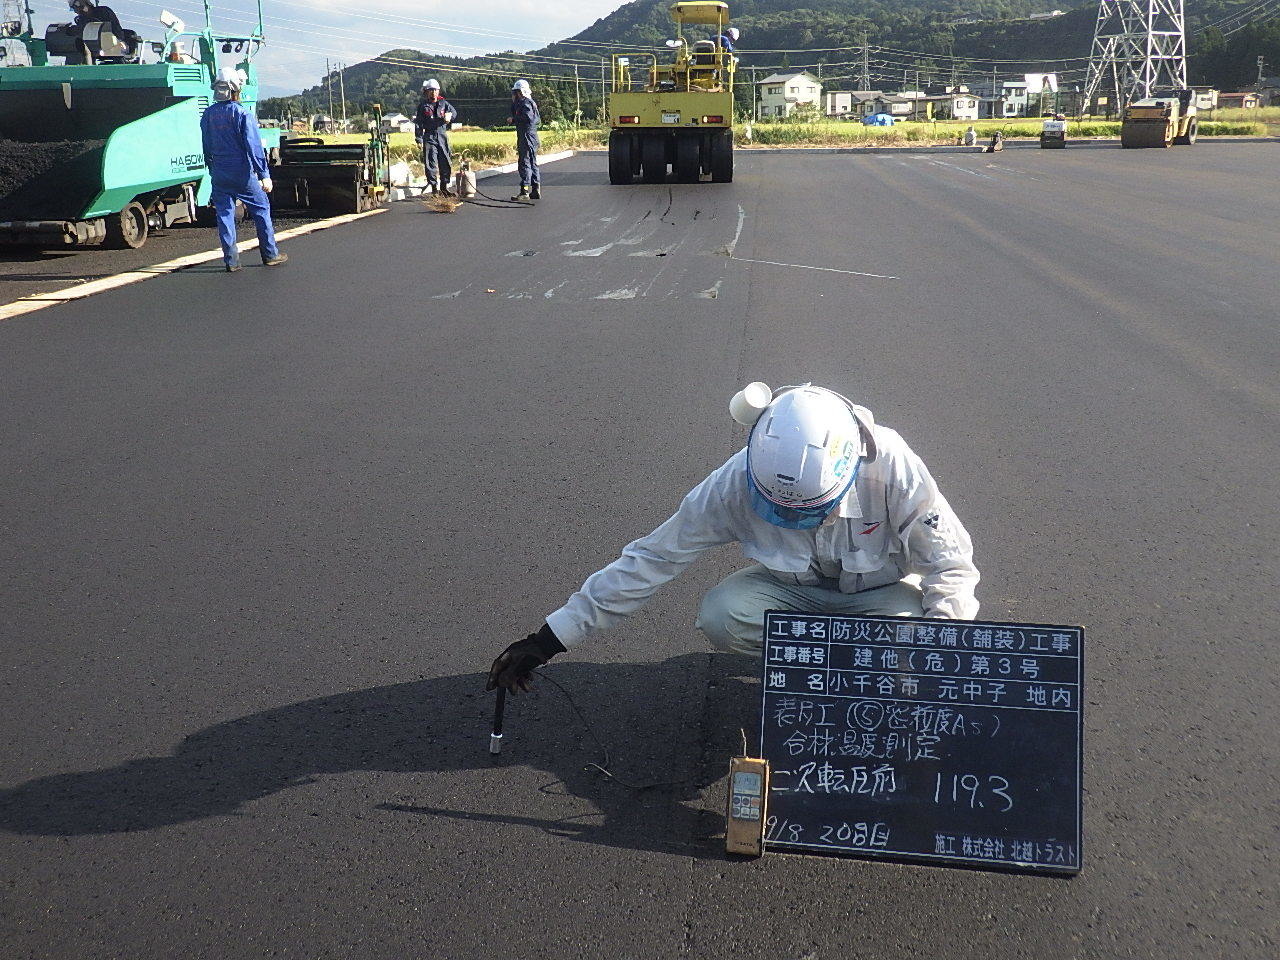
(911, 43)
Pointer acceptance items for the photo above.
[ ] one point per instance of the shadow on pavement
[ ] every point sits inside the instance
(50, 277)
(440, 726)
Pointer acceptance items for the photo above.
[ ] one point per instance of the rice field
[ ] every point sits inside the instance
(492, 147)
(852, 133)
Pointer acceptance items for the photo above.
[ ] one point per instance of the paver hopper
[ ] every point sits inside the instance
(106, 151)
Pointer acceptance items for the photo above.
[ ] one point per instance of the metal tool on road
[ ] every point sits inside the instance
(499, 706)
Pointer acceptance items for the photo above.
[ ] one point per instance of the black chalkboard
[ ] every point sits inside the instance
(944, 741)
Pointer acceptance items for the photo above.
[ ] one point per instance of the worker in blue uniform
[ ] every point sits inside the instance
(238, 167)
(728, 39)
(525, 116)
(431, 120)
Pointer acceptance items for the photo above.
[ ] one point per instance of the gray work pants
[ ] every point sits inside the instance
(527, 144)
(438, 159)
(732, 613)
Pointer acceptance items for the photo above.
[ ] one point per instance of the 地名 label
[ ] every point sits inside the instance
(944, 741)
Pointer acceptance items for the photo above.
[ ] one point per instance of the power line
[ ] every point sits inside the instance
(886, 57)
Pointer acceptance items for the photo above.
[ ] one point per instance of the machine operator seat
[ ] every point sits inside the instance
(105, 47)
(704, 74)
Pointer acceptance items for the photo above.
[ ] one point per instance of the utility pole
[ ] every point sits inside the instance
(577, 98)
(865, 80)
(1261, 63)
(755, 99)
(328, 82)
(342, 90)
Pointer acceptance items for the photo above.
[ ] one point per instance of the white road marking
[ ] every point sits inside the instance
(40, 301)
(1013, 172)
(733, 244)
(626, 293)
(805, 266)
(952, 166)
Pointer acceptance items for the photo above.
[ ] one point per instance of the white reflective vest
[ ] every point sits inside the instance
(893, 522)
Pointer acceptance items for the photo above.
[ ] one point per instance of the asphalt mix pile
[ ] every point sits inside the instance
(49, 181)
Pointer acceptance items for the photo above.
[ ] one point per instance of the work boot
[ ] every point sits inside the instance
(523, 194)
(275, 261)
(446, 192)
(535, 192)
(232, 267)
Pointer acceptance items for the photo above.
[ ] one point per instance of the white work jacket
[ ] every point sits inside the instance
(892, 522)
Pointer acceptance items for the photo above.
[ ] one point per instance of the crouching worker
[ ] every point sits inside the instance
(238, 168)
(834, 510)
(525, 116)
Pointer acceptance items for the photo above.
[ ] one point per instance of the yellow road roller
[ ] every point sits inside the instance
(1161, 120)
(676, 110)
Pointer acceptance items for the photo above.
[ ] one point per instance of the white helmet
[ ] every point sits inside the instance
(231, 77)
(432, 84)
(805, 451)
(523, 87)
(732, 33)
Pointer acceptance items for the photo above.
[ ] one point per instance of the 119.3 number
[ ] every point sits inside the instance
(969, 788)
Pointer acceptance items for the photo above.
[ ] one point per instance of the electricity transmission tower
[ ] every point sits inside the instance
(1138, 46)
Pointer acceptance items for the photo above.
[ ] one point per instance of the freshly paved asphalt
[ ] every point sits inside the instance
(260, 535)
(31, 272)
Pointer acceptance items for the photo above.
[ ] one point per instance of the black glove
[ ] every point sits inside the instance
(515, 665)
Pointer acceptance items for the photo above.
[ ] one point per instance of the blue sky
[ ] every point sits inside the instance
(302, 34)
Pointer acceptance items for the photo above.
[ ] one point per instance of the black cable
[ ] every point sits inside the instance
(498, 205)
(512, 202)
(604, 751)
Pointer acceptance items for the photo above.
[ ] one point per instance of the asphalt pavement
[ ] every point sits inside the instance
(262, 533)
(33, 271)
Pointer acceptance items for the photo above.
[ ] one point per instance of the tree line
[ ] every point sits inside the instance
(481, 100)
